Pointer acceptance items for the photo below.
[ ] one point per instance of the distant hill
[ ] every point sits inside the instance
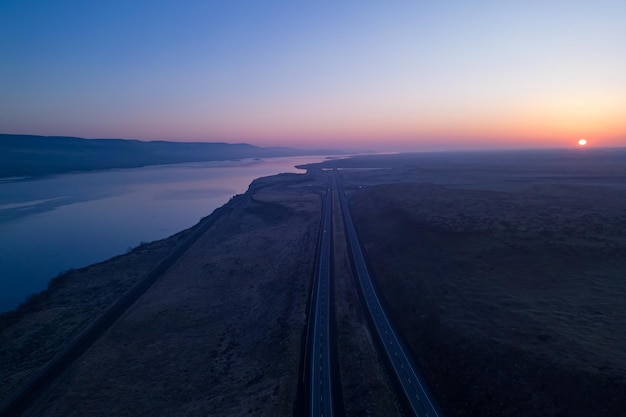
(28, 155)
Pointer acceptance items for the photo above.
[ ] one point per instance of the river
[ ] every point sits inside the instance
(49, 225)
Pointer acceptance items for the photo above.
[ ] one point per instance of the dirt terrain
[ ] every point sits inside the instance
(219, 333)
(511, 297)
(503, 272)
(31, 335)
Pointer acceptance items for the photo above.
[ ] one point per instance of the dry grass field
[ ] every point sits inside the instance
(506, 281)
(218, 334)
(504, 273)
(46, 322)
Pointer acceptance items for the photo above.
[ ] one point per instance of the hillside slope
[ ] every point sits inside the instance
(26, 155)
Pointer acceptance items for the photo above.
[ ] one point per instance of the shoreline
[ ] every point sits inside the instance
(276, 209)
(72, 221)
(505, 285)
(42, 378)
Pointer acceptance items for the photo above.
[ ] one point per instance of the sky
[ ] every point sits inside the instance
(384, 75)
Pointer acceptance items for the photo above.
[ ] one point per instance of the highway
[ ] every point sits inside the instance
(413, 387)
(321, 390)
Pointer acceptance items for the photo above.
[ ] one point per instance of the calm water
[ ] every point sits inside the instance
(69, 221)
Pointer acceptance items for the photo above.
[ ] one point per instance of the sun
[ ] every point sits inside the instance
(582, 142)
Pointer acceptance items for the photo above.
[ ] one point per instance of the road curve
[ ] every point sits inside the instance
(413, 386)
(321, 390)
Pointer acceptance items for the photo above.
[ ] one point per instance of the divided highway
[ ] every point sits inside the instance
(321, 402)
(417, 395)
(321, 390)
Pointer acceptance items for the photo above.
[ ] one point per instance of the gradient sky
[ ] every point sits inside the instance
(388, 75)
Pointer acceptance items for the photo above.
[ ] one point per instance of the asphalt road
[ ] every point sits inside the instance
(321, 400)
(417, 395)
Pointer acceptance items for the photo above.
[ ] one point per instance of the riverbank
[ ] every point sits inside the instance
(503, 275)
(50, 225)
(220, 331)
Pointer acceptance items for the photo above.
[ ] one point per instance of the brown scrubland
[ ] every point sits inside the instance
(218, 334)
(504, 275)
(503, 272)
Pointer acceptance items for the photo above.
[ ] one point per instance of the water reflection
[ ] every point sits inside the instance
(52, 224)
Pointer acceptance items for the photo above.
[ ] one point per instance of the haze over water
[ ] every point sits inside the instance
(52, 224)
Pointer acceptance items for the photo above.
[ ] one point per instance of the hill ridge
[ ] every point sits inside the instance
(33, 156)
